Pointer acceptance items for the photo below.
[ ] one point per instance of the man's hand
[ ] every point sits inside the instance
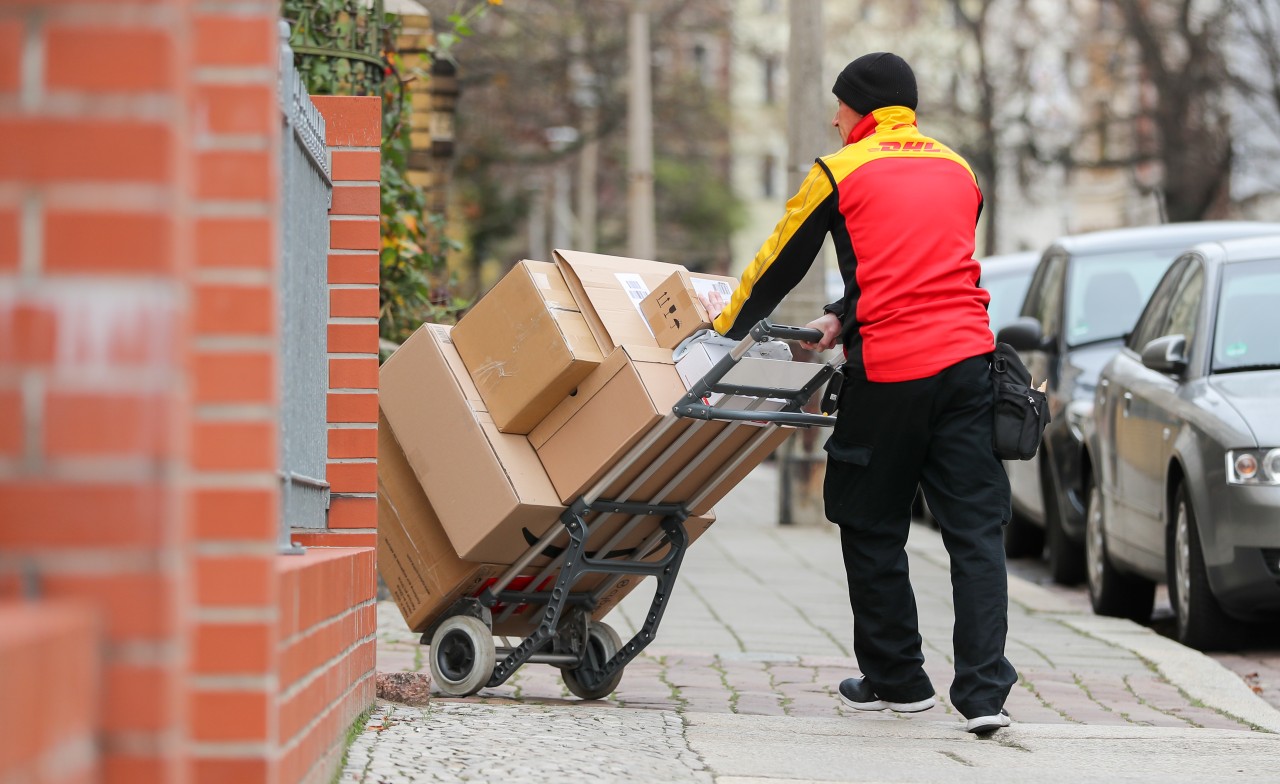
(714, 302)
(829, 325)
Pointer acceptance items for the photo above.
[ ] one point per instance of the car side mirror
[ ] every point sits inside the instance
(1166, 354)
(1023, 334)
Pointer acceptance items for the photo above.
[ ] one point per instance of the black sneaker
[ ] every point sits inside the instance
(855, 693)
(985, 725)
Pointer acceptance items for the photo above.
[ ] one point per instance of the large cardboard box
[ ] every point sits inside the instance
(425, 575)
(415, 558)
(488, 487)
(673, 309)
(609, 290)
(493, 497)
(526, 345)
(583, 437)
(617, 406)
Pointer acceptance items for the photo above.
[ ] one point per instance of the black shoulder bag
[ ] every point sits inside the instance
(1022, 412)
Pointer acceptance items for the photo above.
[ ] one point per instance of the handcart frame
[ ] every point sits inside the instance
(589, 653)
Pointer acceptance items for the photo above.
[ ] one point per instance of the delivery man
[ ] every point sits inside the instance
(916, 406)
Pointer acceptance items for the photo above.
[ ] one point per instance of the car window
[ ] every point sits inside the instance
(1248, 318)
(1186, 304)
(1106, 292)
(1151, 324)
(1045, 299)
(1007, 288)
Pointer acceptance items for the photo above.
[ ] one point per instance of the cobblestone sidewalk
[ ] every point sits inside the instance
(456, 742)
(759, 625)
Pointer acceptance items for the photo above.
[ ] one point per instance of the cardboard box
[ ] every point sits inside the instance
(425, 575)
(487, 487)
(609, 289)
(673, 309)
(526, 345)
(415, 558)
(491, 493)
(614, 408)
(618, 405)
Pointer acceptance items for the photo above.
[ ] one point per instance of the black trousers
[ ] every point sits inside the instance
(933, 432)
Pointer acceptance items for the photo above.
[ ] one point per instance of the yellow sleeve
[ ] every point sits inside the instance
(784, 258)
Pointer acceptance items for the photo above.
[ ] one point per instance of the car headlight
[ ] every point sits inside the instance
(1253, 466)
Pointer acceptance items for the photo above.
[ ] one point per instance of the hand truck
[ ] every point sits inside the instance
(591, 656)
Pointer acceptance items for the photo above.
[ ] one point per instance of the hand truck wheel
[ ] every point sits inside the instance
(602, 643)
(462, 655)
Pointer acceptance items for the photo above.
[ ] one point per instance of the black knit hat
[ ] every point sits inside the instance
(876, 80)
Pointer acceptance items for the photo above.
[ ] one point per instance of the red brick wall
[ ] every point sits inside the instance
(327, 625)
(139, 240)
(96, 185)
(52, 692)
(354, 130)
(234, 452)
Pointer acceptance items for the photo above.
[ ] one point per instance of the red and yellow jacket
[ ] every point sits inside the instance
(901, 209)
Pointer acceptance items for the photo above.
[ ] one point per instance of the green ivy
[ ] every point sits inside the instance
(414, 287)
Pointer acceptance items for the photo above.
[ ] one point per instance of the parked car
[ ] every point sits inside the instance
(1182, 469)
(1084, 298)
(1005, 277)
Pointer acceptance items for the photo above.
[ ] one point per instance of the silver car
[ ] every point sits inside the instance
(1083, 301)
(1183, 449)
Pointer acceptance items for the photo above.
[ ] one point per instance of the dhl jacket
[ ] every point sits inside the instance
(901, 209)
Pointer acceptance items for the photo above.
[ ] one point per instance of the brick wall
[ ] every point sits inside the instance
(139, 403)
(52, 692)
(96, 183)
(327, 625)
(234, 451)
(354, 130)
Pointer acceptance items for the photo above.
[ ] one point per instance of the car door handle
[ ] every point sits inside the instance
(1124, 408)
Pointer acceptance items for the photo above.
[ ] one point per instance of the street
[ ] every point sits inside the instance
(739, 686)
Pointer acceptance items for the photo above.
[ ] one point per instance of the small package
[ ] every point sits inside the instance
(674, 310)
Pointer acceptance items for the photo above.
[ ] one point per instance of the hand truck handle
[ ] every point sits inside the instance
(766, 330)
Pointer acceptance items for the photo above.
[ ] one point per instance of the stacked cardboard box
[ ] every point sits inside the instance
(491, 428)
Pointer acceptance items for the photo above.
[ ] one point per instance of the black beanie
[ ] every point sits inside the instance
(876, 80)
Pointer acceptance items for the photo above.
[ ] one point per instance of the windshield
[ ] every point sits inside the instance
(1248, 319)
(1007, 288)
(1107, 291)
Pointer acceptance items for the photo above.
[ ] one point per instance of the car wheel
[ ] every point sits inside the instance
(1023, 538)
(1066, 558)
(1112, 592)
(1201, 622)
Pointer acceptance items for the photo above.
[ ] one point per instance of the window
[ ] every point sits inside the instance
(1106, 292)
(1248, 317)
(1185, 306)
(1045, 302)
(770, 64)
(702, 64)
(1151, 322)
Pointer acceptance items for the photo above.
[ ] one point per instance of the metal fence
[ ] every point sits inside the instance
(307, 192)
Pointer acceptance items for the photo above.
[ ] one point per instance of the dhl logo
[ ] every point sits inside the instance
(908, 147)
